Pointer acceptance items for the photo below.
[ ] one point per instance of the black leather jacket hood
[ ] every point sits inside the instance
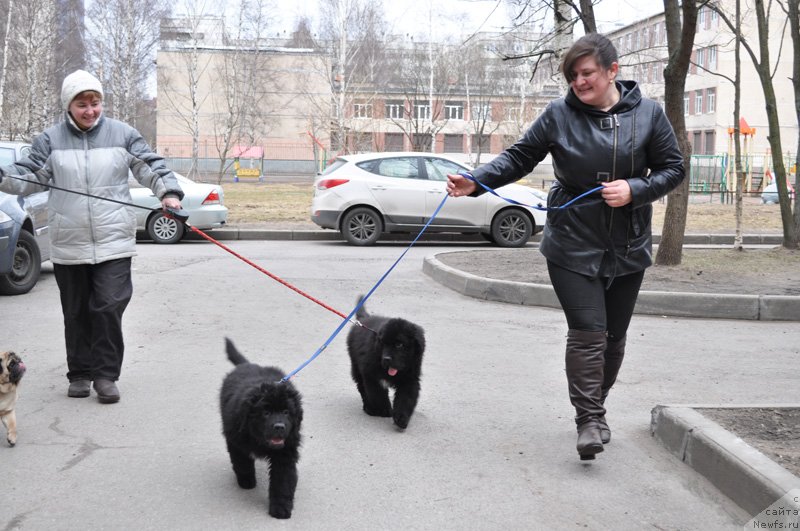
(634, 141)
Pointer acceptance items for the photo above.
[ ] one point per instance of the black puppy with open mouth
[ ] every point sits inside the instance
(261, 417)
(386, 352)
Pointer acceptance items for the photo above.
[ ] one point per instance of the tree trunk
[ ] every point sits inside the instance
(790, 240)
(794, 25)
(737, 147)
(680, 40)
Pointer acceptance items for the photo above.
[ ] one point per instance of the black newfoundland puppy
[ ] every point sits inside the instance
(261, 418)
(386, 353)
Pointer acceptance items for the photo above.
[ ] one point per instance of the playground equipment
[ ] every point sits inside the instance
(729, 179)
(253, 157)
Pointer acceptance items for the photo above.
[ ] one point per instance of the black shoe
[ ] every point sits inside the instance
(107, 392)
(589, 441)
(79, 388)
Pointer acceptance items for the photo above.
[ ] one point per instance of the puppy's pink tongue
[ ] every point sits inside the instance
(392, 371)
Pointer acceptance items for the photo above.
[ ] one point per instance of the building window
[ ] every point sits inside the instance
(394, 110)
(646, 37)
(701, 18)
(482, 142)
(710, 142)
(712, 58)
(362, 110)
(481, 112)
(422, 111)
(698, 102)
(714, 18)
(697, 142)
(701, 57)
(686, 104)
(421, 142)
(393, 142)
(453, 144)
(711, 100)
(454, 110)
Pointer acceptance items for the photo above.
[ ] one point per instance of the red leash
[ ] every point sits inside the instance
(270, 275)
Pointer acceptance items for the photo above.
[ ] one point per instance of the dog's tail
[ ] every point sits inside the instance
(234, 355)
(362, 312)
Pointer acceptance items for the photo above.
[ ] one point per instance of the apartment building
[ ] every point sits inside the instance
(708, 100)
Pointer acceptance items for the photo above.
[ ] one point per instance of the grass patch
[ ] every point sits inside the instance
(252, 203)
(268, 202)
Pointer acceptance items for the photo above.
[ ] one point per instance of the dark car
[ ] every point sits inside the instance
(24, 241)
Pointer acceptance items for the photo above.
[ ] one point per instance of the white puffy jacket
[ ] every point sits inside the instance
(86, 230)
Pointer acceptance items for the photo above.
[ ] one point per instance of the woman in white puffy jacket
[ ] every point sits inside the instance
(92, 240)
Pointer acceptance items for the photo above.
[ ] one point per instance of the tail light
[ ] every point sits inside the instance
(327, 184)
(213, 198)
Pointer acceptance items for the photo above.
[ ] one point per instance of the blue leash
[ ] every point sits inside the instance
(364, 299)
(349, 317)
(536, 207)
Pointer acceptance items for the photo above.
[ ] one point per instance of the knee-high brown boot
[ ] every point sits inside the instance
(615, 351)
(584, 362)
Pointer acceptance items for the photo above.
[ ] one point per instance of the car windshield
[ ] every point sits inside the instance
(6, 156)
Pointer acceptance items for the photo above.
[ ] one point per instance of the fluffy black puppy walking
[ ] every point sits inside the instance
(386, 353)
(261, 418)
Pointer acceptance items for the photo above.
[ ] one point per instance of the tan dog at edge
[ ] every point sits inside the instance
(11, 371)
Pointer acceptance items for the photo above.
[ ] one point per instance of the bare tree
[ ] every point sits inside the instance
(547, 48)
(180, 93)
(764, 69)
(122, 42)
(37, 46)
(242, 76)
(792, 9)
(353, 31)
(681, 23)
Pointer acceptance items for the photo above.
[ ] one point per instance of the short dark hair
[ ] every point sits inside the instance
(594, 45)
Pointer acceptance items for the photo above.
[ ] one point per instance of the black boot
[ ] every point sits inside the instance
(584, 362)
(615, 351)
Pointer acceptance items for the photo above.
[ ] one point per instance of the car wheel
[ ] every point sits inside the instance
(163, 229)
(362, 226)
(511, 228)
(26, 267)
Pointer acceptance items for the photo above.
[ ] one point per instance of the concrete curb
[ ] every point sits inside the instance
(741, 472)
(676, 304)
(231, 233)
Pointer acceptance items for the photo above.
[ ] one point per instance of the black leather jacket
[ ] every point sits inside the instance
(634, 141)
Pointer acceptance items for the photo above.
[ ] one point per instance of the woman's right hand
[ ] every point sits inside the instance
(458, 185)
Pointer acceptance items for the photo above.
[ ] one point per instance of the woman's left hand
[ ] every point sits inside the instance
(617, 193)
(171, 202)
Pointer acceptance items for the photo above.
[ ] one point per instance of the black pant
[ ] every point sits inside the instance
(93, 299)
(590, 304)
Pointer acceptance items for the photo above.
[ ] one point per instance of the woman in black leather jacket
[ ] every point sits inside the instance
(603, 133)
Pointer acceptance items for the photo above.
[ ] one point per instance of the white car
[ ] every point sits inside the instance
(366, 195)
(203, 202)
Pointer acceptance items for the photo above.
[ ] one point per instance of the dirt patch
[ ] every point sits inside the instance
(775, 432)
(773, 271)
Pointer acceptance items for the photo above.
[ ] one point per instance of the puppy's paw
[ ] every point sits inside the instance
(377, 412)
(12, 441)
(246, 482)
(401, 420)
(280, 510)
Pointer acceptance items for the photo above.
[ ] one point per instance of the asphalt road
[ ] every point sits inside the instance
(491, 445)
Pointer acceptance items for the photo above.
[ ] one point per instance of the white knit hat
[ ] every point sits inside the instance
(77, 82)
